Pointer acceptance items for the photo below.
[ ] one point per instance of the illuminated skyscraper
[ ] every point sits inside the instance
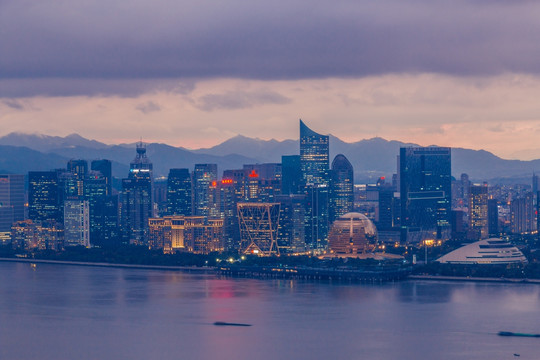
(259, 224)
(44, 200)
(478, 211)
(314, 164)
(179, 192)
(137, 204)
(314, 156)
(341, 187)
(203, 176)
(425, 182)
(79, 169)
(76, 223)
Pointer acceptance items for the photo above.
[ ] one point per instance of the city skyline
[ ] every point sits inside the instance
(194, 75)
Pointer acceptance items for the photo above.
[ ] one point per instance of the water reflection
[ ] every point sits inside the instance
(89, 313)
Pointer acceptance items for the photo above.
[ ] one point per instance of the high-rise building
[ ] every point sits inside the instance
(179, 192)
(522, 212)
(76, 223)
(314, 156)
(314, 164)
(11, 202)
(79, 169)
(137, 204)
(105, 168)
(341, 187)
(203, 176)
(186, 234)
(291, 182)
(478, 211)
(291, 229)
(259, 224)
(493, 218)
(44, 200)
(103, 211)
(425, 192)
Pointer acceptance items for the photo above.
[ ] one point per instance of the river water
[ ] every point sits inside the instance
(76, 312)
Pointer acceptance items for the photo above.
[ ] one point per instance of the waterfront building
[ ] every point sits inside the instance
(352, 233)
(186, 234)
(44, 200)
(137, 203)
(478, 212)
(485, 252)
(203, 176)
(425, 192)
(179, 192)
(259, 224)
(29, 235)
(11, 204)
(76, 223)
(341, 187)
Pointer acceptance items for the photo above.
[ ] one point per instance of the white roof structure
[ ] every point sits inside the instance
(490, 251)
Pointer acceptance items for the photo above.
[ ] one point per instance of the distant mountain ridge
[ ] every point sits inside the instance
(370, 158)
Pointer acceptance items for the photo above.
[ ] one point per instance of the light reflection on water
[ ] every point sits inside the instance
(68, 312)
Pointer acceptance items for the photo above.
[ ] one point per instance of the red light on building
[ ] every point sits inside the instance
(214, 183)
(226, 181)
(253, 174)
(382, 177)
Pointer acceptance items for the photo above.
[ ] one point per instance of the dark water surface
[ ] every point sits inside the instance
(75, 312)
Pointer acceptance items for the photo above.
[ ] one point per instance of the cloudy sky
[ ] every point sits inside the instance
(194, 73)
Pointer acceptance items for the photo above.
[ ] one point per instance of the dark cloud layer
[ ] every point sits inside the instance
(290, 39)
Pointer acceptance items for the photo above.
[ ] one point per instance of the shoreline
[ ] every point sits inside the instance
(474, 279)
(255, 272)
(189, 269)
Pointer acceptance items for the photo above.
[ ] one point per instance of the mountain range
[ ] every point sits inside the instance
(371, 158)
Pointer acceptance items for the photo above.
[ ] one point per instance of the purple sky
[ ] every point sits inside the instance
(458, 73)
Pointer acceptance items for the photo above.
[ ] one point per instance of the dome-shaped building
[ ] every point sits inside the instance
(352, 233)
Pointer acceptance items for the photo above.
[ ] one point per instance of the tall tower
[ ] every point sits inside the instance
(425, 187)
(204, 176)
(179, 192)
(44, 199)
(105, 168)
(341, 187)
(478, 211)
(314, 164)
(137, 204)
(314, 156)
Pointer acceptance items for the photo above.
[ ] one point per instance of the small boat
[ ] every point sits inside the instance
(509, 333)
(33, 266)
(221, 323)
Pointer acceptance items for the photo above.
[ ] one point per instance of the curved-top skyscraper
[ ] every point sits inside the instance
(314, 156)
(314, 161)
(341, 187)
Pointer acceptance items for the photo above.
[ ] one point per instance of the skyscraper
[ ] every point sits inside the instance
(79, 169)
(44, 200)
(314, 164)
(341, 187)
(425, 182)
(314, 156)
(12, 196)
(478, 211)
(203, 176)
(137, 204)
(105, 168)
(76, 223)
(179, 192)
(291, 181)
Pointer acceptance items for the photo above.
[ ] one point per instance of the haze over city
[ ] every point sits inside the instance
(460, 74)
